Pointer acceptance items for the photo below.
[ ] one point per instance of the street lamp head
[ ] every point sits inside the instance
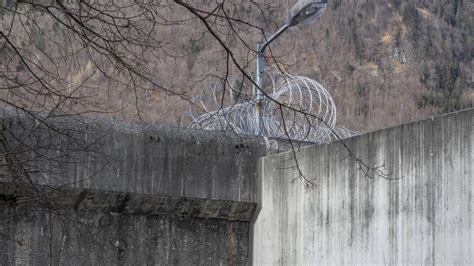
(305, 11)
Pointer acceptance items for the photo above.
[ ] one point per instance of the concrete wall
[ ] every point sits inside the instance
(424, 216)
(69, 237)
(113, 155)
(107, 192)
(118, 156)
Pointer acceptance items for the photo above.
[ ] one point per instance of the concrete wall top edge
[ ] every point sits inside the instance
(108, 124)
(302, 148)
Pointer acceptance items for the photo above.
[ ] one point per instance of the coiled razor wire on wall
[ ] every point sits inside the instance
(229, 105)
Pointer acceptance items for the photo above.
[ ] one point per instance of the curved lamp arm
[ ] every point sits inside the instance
(303, 11)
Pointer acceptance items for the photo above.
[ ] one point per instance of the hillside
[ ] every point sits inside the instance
(384, 62)
(387, 62)
(390, 62)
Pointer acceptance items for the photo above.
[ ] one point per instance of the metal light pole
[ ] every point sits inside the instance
(302, 12)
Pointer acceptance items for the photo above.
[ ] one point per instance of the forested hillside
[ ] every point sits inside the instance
(389, 62)
(385, 62)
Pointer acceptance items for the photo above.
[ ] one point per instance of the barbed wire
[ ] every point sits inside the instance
(229, 105)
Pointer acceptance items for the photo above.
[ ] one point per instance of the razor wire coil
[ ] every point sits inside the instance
(295, 107)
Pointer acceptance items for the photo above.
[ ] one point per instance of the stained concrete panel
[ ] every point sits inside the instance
(113, 155)
(106, 192)
(46, 237)
(421, 214)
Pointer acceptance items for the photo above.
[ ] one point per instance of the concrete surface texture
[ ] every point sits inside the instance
(69, 237)
(114, 155)
(424, 215)
(107, 192)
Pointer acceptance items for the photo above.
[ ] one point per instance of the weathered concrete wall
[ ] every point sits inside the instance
(107, 192)
(113, 155)
(164, 160)
(425, 216)
(45, 237)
